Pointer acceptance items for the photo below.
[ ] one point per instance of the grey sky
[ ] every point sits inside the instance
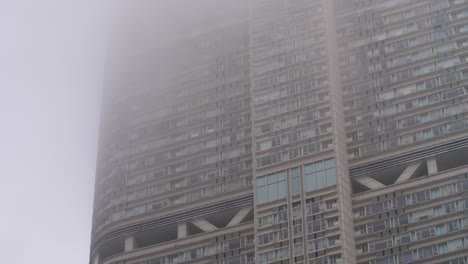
(52, 57)
(51, 54)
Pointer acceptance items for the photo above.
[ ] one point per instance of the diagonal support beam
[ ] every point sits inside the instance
(432, 166)
(239, 216)
(408, 173)
(204, 225)
(370, 183)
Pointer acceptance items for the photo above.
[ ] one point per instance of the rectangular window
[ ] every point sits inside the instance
(309, 177)
(427, 134)
(261, 193)
(296, 180)
(319, 179)
(320, 174)
(271, 187)
(330, 177)
(271, 192)
(282, 191)
(441, 229)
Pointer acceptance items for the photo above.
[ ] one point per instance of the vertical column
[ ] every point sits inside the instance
(129, 243)
(432, 166)
(182, 230)
(343, 182)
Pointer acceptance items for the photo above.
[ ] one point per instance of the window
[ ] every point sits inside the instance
(454, 245)
(440, 230)
(296, 180)
(309, 177)
(330, 177)
(423, 118)
(427, 134)
(319, 179)
(320, 174)
(264, 145)
(273, 237)
(261, 190)
(281, 178)
(271, 187)
(136, 179)
(386, 95)
(438, 211)
(275, 255)
(422, 101)
(136, 210)
(276, 218)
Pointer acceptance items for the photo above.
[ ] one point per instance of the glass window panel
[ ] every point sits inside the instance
(265, 145)
(261, 194)
(308, 169)
(455, 245)
(271, 178)
(442, 248)
(435, 193)
(271, 192)
(441, 229)
(310, 184)
(282, 189)
(296, 185)
(330, 176)
(329, 163)
(261, 181)
(318, 166)
(319, 180)
(295, 172)
(281, 176)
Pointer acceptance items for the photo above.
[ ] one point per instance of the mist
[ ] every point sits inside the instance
(56, 58)
(52, 55)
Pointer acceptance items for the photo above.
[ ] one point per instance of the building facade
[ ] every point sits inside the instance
(299, 131)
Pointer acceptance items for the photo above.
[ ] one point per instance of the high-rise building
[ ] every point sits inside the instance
(292, 131)
(404, 80)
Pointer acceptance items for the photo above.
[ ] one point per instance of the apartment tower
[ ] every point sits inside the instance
(288, 131)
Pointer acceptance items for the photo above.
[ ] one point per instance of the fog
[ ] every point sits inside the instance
(56, 57)
(146, 34)
(51, 54)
